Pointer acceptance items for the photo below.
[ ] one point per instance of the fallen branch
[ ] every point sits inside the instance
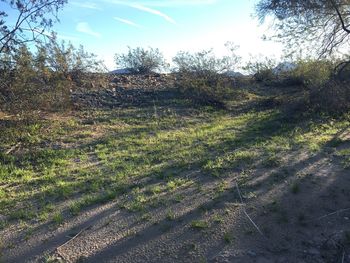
(74, 237)
(245, 212)
(68, 241)
(330, 214)
(12, 148)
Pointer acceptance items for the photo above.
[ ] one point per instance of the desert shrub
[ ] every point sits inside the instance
(209, 89)
(261, 68)
(332, 97)
(76, 66)
(200, 76)
(44, 80)
(312, 73)
(141, 61)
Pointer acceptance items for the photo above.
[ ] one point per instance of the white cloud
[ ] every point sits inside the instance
(164, 3)
(175, 3)
(128, 22)
(153, 11)
(141, 7)
(84, 27)
(87, 5)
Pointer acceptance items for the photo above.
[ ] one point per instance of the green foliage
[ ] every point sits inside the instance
(332, 97)
(298, 24)
(313, 73)
(33, 20)
(141, 61)
(262, 69)
(199, 224)
(44, 80)
(205, 62)
(200, 78)
(210, 89)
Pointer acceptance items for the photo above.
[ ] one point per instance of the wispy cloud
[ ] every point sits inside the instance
(142, 7)
(177, 3)
(84, 27)
(87, 5)
(128, 22)
(164, 3)
(153, 11)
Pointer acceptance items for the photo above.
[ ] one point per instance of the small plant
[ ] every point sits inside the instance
(58, 218)
(170, 216)
(218, 219)
(75, 208)
(199, 224)
(295, 188)
(272, 161)
(228, 238)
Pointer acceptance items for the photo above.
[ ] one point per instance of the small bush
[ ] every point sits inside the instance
(44, 80)
(261, 69)
(332, 97)
(141, 61)
(211, 89)
(312, 73)
(200, 76)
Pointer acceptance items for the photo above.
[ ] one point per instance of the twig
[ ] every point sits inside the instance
(333, 213)
(68, 241)
(63, 256)
(343, 257)
(12, 148)
(245, 212)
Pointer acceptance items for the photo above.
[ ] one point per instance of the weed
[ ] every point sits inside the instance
(295, 188)
(75, 208)
(272, 161)
(170, 215)
(199, 224)
(58, 218)
(228, 238)
(218, 219)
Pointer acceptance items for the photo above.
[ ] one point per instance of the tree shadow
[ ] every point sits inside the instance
(286, 205)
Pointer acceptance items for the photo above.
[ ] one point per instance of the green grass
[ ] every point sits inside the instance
(131, 157)
(199, 224)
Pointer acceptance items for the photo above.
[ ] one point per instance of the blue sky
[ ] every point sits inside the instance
(106, 27)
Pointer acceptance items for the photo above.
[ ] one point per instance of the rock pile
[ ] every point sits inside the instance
(148, 81)
(127, 90)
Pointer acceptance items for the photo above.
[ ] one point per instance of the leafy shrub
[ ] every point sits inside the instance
(312, 73)
(141, 61)
(261, 68)
(200, 76)
(44, 80)
(210, 89)
(332, 97)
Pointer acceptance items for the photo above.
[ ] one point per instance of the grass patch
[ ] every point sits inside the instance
(199, 224)
(130, 156)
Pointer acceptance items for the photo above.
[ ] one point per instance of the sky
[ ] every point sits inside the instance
(107, 27)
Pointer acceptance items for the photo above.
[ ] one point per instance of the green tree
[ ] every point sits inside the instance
(33, 20)
(321, 25)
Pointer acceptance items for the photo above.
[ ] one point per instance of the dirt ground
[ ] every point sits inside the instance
(297, 211)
